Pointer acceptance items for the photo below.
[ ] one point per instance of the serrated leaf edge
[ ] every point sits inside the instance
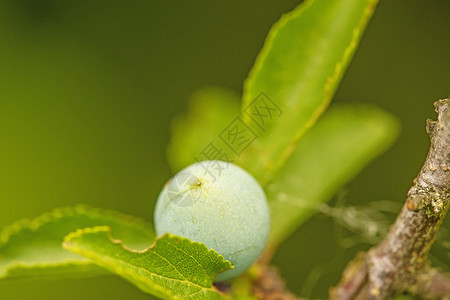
(68, 246)
(34, 223)
(268, 42)
(330, 85)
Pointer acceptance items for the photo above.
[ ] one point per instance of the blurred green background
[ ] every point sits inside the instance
(88, 90)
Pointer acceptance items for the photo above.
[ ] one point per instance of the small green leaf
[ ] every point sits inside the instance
(342, 142)
(33, 247)
(298, 71)
(172, 268)
(210, 111)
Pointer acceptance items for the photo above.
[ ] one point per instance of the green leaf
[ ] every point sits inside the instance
(34, 247)
(210, 110)
(344, 140)
(172, 268)
(298, 70)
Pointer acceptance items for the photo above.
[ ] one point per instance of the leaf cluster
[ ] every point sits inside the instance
(299, 151)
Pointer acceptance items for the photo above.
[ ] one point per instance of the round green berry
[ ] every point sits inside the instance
(219, 204)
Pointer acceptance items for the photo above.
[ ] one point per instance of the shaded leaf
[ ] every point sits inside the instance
(172, 268)
(33, 247)
(344, 140)
(210, 111)
(298, 70)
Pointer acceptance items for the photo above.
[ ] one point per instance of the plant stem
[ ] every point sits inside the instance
(399, 262)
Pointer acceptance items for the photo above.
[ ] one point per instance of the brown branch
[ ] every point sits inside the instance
(433, 284)
(399, 262)
(270, 286)
(262, 281)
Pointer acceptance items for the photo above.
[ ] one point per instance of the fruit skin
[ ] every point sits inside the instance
(219, 204)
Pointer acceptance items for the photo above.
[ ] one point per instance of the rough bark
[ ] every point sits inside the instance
(399, 262)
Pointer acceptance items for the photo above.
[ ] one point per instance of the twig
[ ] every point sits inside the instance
(433, 284)
(399, 262)
(270, 286)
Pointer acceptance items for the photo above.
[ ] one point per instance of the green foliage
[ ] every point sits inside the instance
(299, 73)
(172, 268)
(300, 165)
(33, 247)
(299, 68)
(344, 140)
(210, 111)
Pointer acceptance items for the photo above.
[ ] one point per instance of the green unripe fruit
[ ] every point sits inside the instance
(219, 204)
